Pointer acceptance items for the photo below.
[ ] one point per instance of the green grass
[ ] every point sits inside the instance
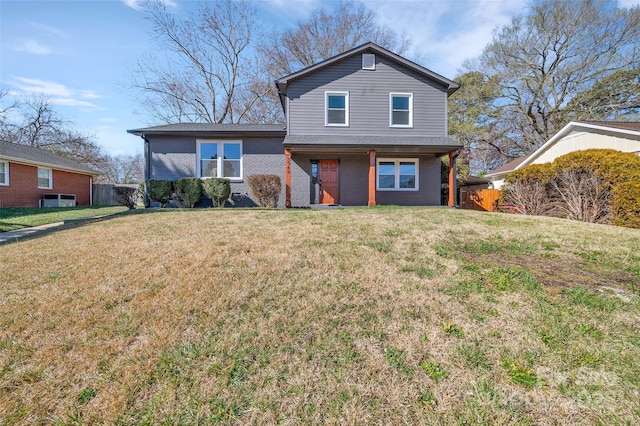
(356, 316)
(15, 218)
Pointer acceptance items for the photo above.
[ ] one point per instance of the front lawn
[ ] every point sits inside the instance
(24, 217)
(354, 316)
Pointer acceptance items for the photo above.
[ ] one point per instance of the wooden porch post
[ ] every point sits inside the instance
(372, 178)
(287, 176)
(452, 179)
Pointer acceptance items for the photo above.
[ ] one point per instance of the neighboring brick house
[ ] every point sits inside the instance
(27, 174)
(365, 127)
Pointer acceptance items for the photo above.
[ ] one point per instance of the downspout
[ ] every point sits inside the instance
(91, 190)
(453, 190)
(147, 169)
(455, 179)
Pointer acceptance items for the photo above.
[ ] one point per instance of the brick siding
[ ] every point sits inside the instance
(23, 188)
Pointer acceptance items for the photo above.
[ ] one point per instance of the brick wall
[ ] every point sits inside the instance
(23, 188)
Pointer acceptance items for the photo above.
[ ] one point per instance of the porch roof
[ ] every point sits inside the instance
(410, 144)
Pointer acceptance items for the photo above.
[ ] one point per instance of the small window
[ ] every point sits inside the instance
(220, 159)
(337, 109)
(4, 173)
(399, 174)
(401, 110)
(368, 61)
(44, 178)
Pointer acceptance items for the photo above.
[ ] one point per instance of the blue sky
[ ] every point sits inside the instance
(78, 53)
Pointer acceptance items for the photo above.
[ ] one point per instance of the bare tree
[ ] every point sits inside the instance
(325, 34)
(581, 195)
(207, 74)
(34, 122)
(125, 169)
(545, 58)
(527, 197)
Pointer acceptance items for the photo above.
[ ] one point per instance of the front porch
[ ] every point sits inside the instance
(364, 175)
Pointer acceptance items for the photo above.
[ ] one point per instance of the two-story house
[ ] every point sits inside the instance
(365, 127)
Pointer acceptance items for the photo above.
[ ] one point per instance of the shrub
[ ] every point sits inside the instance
(581, 195)
(218, 189)
(593, 185)
(188, 190)
(266, 189)
(619, 172)
(127, 196)
(160, 191)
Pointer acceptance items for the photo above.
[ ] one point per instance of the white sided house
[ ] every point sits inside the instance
(576, 136)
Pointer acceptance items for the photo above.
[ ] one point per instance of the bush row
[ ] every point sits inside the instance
(595, 185)
(188, 191)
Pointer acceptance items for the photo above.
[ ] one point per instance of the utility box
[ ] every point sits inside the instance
(58, 200)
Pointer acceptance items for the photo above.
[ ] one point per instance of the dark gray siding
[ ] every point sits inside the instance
(368, 100)
(174, 157)
(354, 181)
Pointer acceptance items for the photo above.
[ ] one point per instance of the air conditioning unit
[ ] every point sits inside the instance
(58, 200)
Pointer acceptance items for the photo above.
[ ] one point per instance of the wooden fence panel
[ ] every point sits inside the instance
(105, 194)
(481, 199)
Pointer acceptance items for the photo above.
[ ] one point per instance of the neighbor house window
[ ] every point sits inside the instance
(220, 159)
(337, 109)
(397, 174)
(44, 178)
(4, 173)
(401, 111)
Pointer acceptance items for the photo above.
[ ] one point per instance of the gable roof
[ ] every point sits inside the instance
(40, 157)
(452, 86)
(212, 128)
(509, 167)
(628, 128)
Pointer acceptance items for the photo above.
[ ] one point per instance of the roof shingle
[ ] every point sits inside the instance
(28, 154)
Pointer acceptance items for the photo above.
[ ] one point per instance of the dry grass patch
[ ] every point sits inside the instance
(383, 316)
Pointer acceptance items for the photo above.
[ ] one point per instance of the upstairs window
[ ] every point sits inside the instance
(397, 174)
(44, 178)
(221, 159)
(4, 173)
(401, 110)
(337, 109)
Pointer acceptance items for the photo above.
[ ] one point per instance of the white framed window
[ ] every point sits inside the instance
(368, 61)
(336, 109)
(401, 109)
(45, 178)
(4, 173)
(397, 174)
(219, 159)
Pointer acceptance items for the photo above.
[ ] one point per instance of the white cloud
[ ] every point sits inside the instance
(89, 94)
(627, 4)
(41, 87)
(33, 47)
(446, 33)
(72, 103)
(139, 5)
(56, 93)
(47, 28)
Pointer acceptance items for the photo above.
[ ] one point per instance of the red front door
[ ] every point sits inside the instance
(328, 181)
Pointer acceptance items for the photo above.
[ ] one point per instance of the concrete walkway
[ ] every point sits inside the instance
(18, 234)
(24, 233)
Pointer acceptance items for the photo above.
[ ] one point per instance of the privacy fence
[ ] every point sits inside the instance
(480, 199)
(105, 194)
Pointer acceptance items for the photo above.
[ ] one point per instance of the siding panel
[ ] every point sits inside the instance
(368, 99)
